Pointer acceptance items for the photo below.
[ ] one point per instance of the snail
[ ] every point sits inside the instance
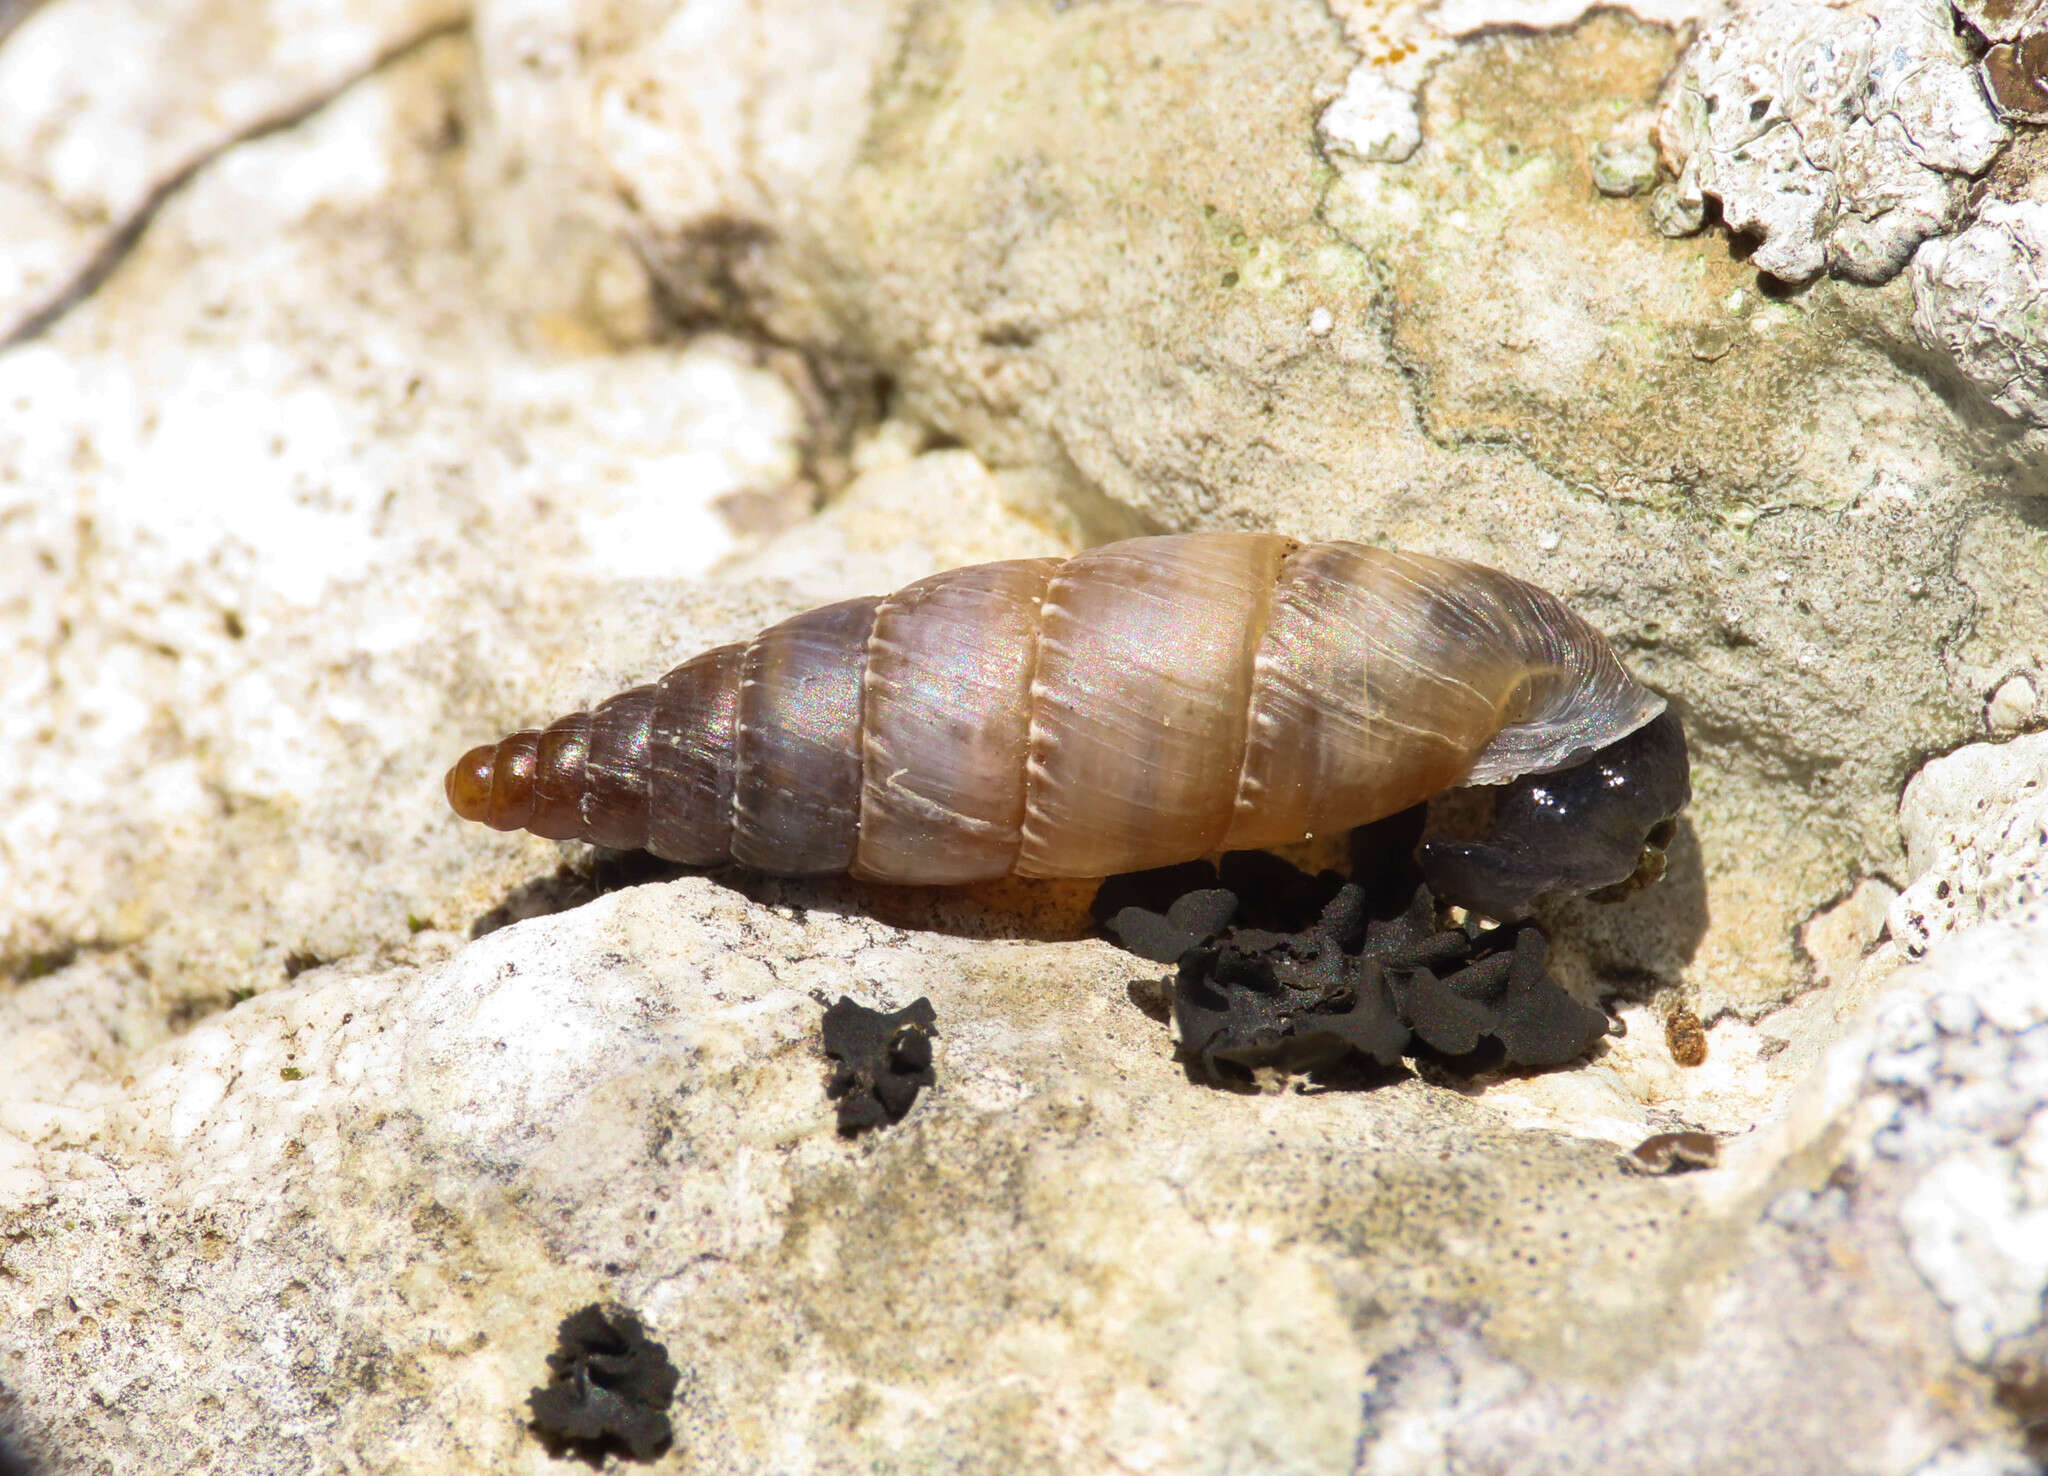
(1140, 704)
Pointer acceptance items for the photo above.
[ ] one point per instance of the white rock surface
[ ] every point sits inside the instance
(1372, 120)
(1376, 119)
(1981, 295)
(1976, 827)
(87, 151)
(2015, 705)
(278, 501)
(1914, 1141)
(343, 1217)
(1839, 135)
(1960, 1077)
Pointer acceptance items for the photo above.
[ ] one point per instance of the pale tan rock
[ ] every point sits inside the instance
(1839, 939)
(281, 501)
(107, 105)
(2015, 705)
(1976, 826)
(345, 1216)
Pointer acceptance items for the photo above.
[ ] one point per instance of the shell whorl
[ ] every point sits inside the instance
(1142, 703)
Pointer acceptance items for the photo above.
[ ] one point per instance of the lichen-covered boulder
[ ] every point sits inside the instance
(399, 426)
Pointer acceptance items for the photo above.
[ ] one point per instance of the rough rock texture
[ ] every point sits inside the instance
(380, 439)
(279, 508)
(1841, 136)
(1967, 1072)
(87, 152)
(1982, 296)
(292, 515)
(1915, 1153)
(1377, 117)
(343, 1217)
(1976, 826)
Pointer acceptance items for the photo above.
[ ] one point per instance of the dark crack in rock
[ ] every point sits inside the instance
(884, 1059)
(609, 1387)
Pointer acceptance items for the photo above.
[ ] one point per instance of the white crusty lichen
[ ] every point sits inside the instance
(1373, 119)
(1982, 297)
(1961, 1052)
(1976, 828)
(1839, 136)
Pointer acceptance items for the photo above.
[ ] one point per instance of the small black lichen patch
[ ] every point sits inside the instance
(884, 1059)
(609, 1387)
(1278, 968)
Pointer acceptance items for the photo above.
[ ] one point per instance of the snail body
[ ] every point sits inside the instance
(1139, 704)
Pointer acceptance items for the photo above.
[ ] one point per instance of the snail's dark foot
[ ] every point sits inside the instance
(1598, 828)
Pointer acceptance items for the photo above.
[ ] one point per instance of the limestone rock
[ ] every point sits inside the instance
(294, 516)
(1377, 117)
(280, 499)
(1372, 120)
(378, 441)
(347, 1216)
(1976, 826)
(88, 152)
(2015, 705)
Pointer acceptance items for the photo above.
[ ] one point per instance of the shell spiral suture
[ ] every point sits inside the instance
(1139, 704)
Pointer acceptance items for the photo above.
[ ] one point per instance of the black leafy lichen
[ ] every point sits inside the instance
(884, 1060)
(1278, 968)
(609, 1387)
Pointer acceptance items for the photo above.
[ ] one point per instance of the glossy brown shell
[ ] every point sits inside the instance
(1136, 705)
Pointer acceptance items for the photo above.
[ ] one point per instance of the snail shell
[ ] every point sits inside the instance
(1136, 705)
